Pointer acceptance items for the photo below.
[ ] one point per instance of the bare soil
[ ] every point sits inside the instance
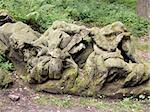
(27, 103)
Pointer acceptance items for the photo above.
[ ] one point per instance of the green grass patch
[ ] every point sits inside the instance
(128, 105)
(128, 3)
(143, 47)
(125, 105)
(42, 13)
(65, 102)
(94, 103)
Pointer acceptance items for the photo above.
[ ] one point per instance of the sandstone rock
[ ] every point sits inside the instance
(72, 59)
(109, 37)
(20, 34)
(66, 27)
(138, 75)
(14, 97)
(117, 69)
(5, 18)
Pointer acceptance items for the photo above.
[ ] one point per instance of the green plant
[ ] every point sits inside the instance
(95, 103)
(40, 14)
(130, 105)
(61, 102)
(128, 3)
(125, 105)
(5, 64)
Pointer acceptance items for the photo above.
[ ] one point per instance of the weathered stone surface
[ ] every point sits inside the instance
(72, 59)
(18, 34)
(5, 18)
(14, 38)
(138, 75)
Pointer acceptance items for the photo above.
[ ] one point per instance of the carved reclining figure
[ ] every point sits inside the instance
(72, 59)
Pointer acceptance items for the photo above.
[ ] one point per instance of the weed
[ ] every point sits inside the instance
(5, 64)
(130, 105)
(61, 102)
(127, 104)
(95, 103)
(42, 13)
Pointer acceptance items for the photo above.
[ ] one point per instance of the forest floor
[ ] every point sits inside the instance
(31, 101)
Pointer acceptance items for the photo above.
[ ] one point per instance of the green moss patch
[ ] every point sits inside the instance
(5, 79)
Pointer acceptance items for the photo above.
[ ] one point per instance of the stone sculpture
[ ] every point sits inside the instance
(72, 59)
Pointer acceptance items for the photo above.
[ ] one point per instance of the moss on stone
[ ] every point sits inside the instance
(81, 84)
(5, 79)
(81, 62)
(68, 79)
(50, 86)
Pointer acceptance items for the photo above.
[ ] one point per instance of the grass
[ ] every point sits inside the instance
(60, 102)
(142, 44)
(125, 105)
(128, 3)
(94, 103)
(42, 13)
(142, 47)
